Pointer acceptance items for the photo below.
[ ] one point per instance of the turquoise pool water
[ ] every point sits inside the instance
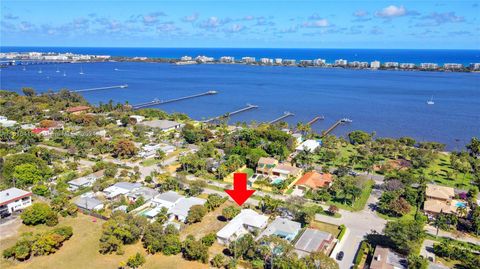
(461, 204)
(277, 181)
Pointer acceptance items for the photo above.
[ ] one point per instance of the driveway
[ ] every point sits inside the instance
(359, 224)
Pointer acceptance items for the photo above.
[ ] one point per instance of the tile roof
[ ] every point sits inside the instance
(315, 180)
(77, 109)
(439, 192)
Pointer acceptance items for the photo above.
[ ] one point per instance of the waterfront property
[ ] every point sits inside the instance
(14, 199)
(313, 240)
(309, 145)
(78, 109)
(164, 125)
(246, 221)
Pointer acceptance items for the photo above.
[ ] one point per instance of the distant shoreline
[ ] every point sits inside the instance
(26, 58)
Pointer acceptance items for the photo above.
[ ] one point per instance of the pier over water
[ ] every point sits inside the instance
(228, 114)
(155, 102)
(335, 125)
(285, 115)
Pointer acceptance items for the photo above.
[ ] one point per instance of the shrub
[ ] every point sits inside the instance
(209, 239)
(39, 213)
(39, 244)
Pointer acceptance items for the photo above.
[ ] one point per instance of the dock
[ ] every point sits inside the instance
(228, 114)
(155, 102)
(286, 114)
(123, 86)
(317, 118)
(335, 125)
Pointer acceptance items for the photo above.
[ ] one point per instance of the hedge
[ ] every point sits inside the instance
(343, 229)
(360, 252)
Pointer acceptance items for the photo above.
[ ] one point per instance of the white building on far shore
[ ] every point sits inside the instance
(375, 65)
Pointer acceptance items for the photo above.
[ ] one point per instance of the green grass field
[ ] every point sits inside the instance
(81, 251)
(443, 174)
(360, 203)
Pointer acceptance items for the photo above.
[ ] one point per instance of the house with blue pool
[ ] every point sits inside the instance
(283, 228)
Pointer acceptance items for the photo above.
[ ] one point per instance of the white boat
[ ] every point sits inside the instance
(40, 71)
(58, 71)
(430, 102)
(81, 71)
(24, 69)
(64, 74)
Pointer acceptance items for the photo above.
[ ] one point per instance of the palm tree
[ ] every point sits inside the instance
(163, 216)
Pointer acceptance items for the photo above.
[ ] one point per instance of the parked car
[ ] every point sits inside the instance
(340, 255)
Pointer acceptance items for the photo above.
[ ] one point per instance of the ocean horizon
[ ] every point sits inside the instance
(389, 103)
(416, 56)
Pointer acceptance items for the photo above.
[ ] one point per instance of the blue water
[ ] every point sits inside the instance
(461, 204)
(384, 55)
(390, 103)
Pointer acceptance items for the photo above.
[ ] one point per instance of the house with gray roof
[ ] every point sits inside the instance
(283, 228)
(88, 203)
(164, 125)
(145, 192)
(313, 240)
(120, 188)
(86, 181)
(182, 207)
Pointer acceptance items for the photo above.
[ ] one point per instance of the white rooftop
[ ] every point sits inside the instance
(309, 145)
(245, 217)
(12, 194)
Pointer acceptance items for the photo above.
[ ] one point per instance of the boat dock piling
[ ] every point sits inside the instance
(285, 115)
(335, 125)
(102, 88)
(317, 118)
(160, 102)
(228, 114)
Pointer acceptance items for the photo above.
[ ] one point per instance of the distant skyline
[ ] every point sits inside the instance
(242, 24)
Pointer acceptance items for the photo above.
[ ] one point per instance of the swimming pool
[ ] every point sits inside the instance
(277, 181)
(460, 204)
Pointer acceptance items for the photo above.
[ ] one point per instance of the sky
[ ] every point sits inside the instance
(420, 24)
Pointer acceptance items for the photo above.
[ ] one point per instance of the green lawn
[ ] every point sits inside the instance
(81, 251)
(249, 172)
(326, 227)
(409, 216)
(444, 174)
(360, 203)
(150, 162)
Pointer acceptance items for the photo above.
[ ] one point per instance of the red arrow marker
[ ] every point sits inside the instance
(240, 194)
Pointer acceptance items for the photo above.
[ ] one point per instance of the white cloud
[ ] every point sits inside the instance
(316, 23)
(392, 11)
